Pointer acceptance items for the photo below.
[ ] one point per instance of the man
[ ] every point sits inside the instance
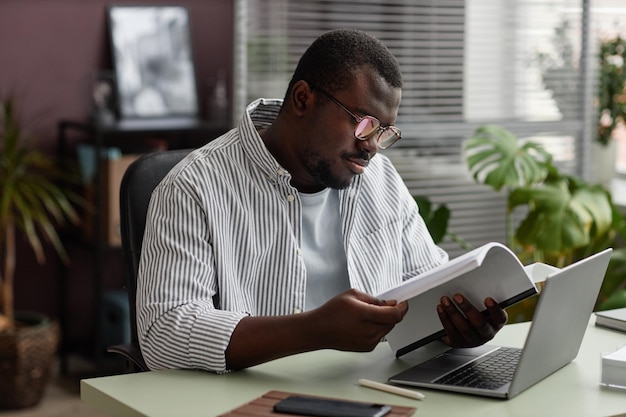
(274, 238)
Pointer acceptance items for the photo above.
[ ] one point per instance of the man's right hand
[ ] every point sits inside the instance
(351, 321)
(356, 321)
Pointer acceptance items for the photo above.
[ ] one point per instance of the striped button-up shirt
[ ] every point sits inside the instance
(223, 241)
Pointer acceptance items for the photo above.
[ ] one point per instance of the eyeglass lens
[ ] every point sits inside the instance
(368, 125)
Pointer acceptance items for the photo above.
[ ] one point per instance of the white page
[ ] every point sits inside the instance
(441, 274)
(489, 271)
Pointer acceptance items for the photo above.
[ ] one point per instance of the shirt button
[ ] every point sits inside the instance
(281, 171)
(297, 311)
(290, 198)
(299, 251)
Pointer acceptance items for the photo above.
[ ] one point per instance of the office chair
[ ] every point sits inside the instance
(138, 182)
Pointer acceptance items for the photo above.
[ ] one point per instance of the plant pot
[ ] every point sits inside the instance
(26, 356)
(603, 159)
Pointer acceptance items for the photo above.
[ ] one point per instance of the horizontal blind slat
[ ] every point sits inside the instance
(464, 64)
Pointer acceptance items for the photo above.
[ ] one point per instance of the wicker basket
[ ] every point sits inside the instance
(26, 356)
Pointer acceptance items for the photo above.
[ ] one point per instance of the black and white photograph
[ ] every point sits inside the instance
(153, 61)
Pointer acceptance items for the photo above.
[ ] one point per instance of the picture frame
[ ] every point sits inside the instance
(153, 62)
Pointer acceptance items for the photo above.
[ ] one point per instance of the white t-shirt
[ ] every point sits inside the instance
(322, 246)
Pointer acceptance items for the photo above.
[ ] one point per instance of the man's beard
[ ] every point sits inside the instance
(322, 173)
(320, 169)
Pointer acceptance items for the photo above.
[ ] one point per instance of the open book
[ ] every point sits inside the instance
(491, 270)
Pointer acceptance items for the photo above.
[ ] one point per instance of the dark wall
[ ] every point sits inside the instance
(50, 53)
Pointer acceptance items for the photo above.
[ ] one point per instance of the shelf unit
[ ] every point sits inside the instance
(177, 134)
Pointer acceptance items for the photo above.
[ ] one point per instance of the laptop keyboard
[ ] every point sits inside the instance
(490, 371)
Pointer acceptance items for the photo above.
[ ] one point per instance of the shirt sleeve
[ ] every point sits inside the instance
(420, 253)
(387, 239)
(178, 323)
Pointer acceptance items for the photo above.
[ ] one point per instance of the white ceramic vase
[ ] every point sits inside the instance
(603, 159)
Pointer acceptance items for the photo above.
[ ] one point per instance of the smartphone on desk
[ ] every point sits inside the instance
(325, 407)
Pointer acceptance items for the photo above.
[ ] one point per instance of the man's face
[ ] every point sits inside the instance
(330, 153)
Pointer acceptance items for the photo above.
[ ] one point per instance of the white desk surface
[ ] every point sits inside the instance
(572, 391)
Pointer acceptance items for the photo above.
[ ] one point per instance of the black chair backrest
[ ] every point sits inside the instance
(138, 182)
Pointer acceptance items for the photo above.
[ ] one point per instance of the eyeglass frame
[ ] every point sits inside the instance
(358, 119)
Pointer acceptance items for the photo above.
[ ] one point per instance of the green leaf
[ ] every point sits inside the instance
(439, 223)
(424, 205)
(496, 158)
(33, 198)
(436, 221)
(616, 300)
(559, 219)
(615, 277)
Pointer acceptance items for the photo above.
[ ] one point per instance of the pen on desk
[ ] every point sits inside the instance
(391, 389)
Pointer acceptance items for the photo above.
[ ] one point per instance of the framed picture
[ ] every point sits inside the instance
(153, 63)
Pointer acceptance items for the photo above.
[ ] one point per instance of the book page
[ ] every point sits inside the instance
(489, 271)
(443, 273)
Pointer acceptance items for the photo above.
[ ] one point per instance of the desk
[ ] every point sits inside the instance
(572, 391)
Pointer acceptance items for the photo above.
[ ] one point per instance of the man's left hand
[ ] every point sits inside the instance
(465, 325)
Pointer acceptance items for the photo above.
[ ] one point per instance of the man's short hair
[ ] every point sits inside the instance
(332, 58)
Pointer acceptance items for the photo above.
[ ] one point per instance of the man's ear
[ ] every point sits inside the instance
(301, 97)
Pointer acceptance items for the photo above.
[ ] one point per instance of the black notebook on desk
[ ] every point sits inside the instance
(613, 319)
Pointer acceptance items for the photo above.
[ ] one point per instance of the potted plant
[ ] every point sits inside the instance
(611, 105)
(560, 75)
(611, 98)
(565, 218)
(33, 203)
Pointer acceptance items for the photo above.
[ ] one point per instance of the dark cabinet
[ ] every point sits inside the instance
(97, 236)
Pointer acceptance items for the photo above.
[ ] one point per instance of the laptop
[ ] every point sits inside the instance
(556, 333)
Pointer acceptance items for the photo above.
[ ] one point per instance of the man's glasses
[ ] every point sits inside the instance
(366, 126)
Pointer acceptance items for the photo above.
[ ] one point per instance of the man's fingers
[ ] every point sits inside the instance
(465, 325)
(370, 299)
(459, 332)
(498, 315)
(447, 324)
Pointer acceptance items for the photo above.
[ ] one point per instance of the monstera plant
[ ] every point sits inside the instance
(564, 217)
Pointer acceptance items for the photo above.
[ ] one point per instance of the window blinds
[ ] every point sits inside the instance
(464, 62)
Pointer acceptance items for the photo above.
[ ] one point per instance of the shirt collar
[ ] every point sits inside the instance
(260, 114)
